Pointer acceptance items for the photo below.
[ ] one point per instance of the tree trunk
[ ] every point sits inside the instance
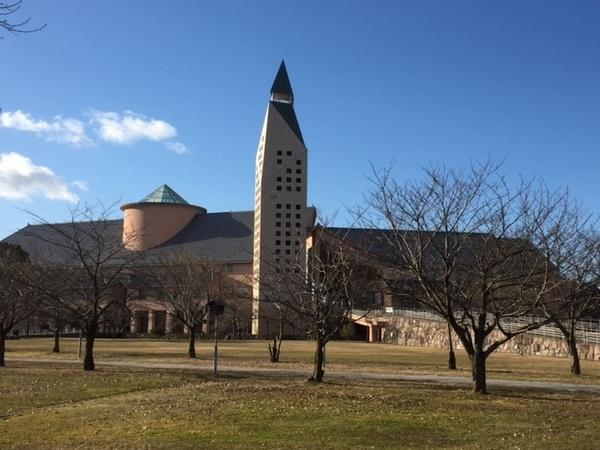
(2, 349)
(574, 352)
(56, 348)
(275, 349)
(88, 359)
(318, 370)
(478, 370)
(192, 346)
(451, 355)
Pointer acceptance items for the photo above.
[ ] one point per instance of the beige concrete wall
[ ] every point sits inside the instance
(281, 168)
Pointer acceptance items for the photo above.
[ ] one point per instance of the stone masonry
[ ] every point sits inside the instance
(433, 333)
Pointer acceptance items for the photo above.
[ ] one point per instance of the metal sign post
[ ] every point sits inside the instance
(216, 354)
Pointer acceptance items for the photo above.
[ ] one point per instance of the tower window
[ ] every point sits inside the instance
(277, 251)
(297, 206)
(298, 188)
(278, 206)
(298, 162)
(278, 233)
(278, 215)
(288, 243)
(288, 170)
(298, 180)
(298, 171)
(298, 225)
(278, 161)
(288, 216)
(278, 188)
(288, 206)
(289, 188)
(287, 224)
(289, 153)
(279, 179)
(277, 242)
(287, 251)
(288, 179)
(279, 152)
(277, 224)
(297, 216)
(287, 233)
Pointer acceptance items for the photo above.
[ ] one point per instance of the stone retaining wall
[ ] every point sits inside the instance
(432, 333)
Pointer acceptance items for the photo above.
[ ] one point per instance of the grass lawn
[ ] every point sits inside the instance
(56, 407)
(341, 356)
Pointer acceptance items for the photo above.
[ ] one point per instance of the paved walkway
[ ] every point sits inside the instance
(436, 379)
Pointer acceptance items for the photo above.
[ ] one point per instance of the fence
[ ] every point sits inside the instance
(588, 331)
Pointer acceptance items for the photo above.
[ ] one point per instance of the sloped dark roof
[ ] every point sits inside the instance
(286, 111)
(225, 237)
(376, 242)
(44, 242)
(281, 84)
(381, 243)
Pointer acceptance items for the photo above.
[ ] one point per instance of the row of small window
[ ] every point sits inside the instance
(287, 215)
(288, 153)
(298, 162)
(287, 206)
(289, 179)
(288, 233)
(287, 251)
(287, 243)
(288, 224)
(289, 188)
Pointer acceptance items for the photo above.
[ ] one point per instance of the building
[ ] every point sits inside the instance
(163, 223)
(281, 216)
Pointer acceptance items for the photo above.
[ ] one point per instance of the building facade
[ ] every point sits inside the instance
(281, 217)
(246, 244)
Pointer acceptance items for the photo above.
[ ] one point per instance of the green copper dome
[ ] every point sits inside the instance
(164, 194)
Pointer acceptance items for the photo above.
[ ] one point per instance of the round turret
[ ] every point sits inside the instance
(156, 218)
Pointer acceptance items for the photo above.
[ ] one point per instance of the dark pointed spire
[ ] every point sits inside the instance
(281, 91)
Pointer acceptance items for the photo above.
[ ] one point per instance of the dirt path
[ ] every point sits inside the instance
(233, 370)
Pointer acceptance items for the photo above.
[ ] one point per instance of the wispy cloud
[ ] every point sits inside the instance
(64, 130)
(116, 128)
(21, 179)
(81, 185)
(177, 147)
(130, 127)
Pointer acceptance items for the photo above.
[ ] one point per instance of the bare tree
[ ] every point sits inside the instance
(461, 243)
(187, 283)
(572, 242)
(18, 301)
(83, 266)
(317, 295)
(55, 317)
(18, 26)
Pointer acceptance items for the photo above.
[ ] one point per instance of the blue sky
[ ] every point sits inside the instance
(96, 103)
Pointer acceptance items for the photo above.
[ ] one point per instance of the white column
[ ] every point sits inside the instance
(150, 321)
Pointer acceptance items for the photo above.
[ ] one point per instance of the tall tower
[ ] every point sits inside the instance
(280, 213)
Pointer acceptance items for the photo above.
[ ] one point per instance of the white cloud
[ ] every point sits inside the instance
(177, 147)
(130, 127)
(64, 130)
(20, 179)
(82, 185)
